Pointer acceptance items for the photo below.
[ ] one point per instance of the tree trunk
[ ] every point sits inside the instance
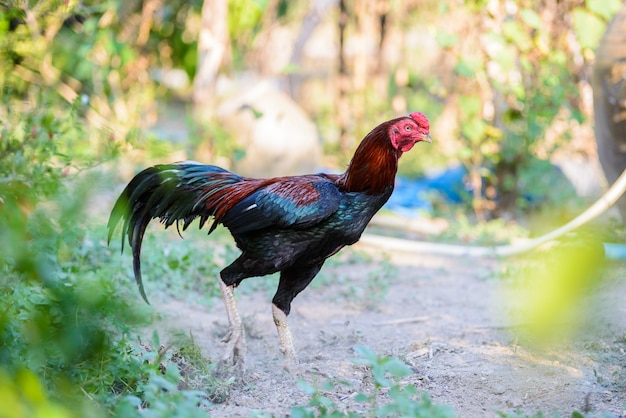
(343, 105)
(609, 97)
(316, 14)
(213, 46)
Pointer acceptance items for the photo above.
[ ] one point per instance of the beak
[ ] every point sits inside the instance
(427, 138)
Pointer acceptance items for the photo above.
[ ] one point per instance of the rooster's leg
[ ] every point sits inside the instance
(286, 340)
(292, 281)
(235, 338)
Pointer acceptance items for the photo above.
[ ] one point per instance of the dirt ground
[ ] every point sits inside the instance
(447, 318)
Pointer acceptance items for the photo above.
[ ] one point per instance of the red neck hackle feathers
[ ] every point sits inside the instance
(375, 163)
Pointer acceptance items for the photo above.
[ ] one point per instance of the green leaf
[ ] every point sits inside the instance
(162, 383)
(39, 299)
(474, 130)
(446, 39)
(604, 8)
(470, 106)
(322, 401)
(519, 91)
(261, 4)
(361, 398)
(516, 34)
(397, 368)
(306, 387)
(578, 115)
(388, 410)
(149, 356)
(328, 386)
(155, 340)
(367, 354)
(507, 58)
(255, 112)
(526, 64)
(588, 27)
(463, 69)
(301, 412)
(531, 18)
(380, 377)
(402, 399)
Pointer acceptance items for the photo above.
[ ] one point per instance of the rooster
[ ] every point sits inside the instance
(289, 225)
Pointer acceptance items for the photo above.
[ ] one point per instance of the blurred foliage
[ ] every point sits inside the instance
(66, 325)
(514, 78)
(556, 281)
(74, 86)
(245, 20)
(77, 53)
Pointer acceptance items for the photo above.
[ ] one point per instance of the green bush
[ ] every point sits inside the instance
(68, 327)
(70, 318)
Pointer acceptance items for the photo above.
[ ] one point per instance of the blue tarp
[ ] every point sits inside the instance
(413, 196)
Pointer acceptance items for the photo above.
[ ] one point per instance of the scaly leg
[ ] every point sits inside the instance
(286, 340)
(292, 281)
(235, 338)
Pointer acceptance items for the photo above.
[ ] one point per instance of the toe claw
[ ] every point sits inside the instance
(227, 337)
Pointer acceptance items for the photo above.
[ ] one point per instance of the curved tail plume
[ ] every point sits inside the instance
(173, 193)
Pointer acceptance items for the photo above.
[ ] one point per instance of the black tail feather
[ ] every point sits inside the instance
(138, 232)
(172, 193)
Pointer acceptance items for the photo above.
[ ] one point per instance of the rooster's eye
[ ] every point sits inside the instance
(407, 127)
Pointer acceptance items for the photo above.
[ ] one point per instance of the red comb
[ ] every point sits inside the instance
(420, 119)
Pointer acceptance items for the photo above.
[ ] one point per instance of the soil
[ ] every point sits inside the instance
(447, 318)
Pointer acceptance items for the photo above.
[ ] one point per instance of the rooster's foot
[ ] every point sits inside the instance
(291, 365)
(290, 361)
(236, 348)
(226, 338)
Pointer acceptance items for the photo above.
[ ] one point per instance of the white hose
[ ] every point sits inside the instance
(402, 245)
